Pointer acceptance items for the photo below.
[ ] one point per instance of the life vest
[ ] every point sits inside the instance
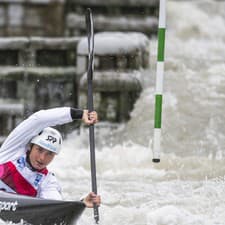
(18, 176)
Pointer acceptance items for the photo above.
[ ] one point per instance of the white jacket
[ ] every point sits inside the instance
(16, 143)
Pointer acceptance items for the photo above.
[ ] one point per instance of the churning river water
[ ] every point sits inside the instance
(188, 186)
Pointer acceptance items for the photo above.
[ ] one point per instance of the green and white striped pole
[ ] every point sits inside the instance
(159, 81)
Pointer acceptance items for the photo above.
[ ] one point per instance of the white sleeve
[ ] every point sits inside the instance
(50, 188)
(16, 142)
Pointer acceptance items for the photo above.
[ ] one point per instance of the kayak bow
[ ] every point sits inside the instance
(38, 211)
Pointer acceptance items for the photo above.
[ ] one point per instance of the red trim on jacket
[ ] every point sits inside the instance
(10, 175)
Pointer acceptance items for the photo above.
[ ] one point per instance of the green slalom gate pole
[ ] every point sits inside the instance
(159, 81)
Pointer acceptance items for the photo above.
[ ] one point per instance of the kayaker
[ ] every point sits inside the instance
(31, 146)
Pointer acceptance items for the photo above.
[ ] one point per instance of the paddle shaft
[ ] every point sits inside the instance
(90, 105)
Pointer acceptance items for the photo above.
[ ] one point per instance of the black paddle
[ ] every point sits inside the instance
(90, 105)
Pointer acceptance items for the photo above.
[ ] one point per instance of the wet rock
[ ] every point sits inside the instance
(125, 16)
(119, 59)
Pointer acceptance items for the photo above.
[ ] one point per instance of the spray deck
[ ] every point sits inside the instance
(35, 211)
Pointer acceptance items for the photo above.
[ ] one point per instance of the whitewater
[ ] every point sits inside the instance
(188, 186)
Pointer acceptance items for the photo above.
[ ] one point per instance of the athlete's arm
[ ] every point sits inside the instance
(16, 142)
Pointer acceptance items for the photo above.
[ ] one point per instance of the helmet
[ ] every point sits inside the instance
(49, 139)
